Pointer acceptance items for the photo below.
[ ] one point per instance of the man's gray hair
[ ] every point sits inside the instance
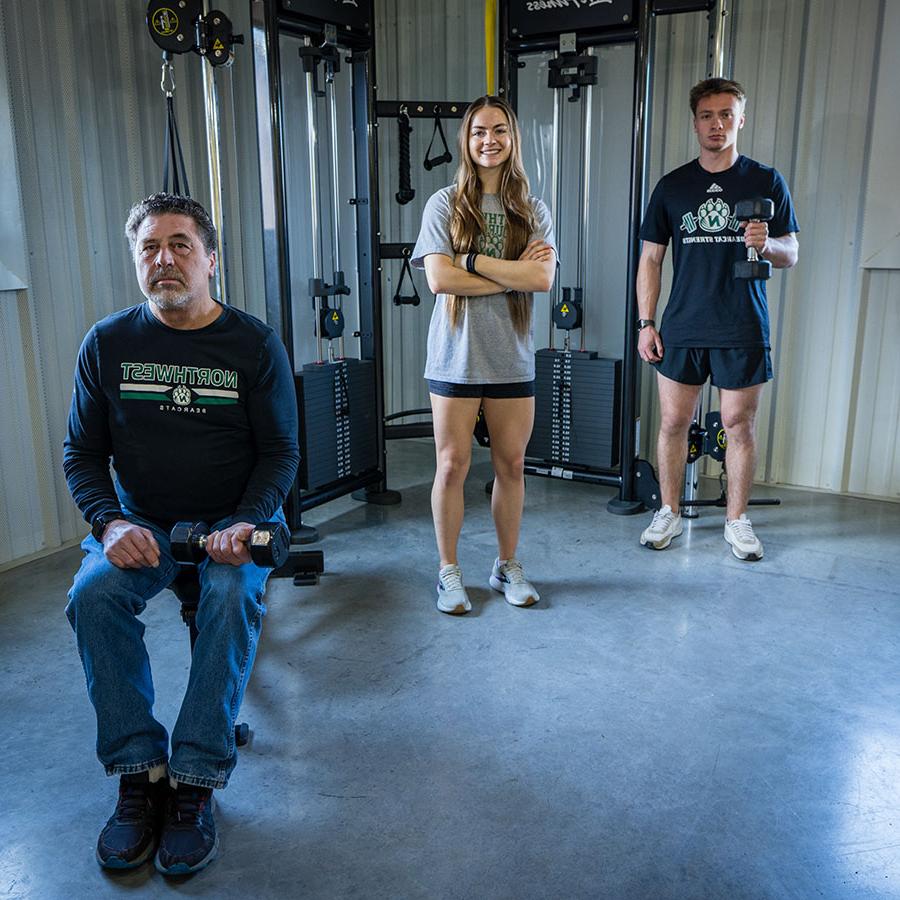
(172, 204)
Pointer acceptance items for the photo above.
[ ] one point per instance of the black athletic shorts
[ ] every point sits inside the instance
(731, 368)
(509, 391)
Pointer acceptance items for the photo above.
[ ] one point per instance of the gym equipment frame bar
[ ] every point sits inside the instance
(349, 29)
(414, 109)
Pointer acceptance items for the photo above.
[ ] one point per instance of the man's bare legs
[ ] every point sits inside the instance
(739, 419)
(677, 403)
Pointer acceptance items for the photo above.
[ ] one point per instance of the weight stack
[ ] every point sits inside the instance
(576, 409)
(338, 438)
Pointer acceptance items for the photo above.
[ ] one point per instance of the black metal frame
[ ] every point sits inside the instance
(415, 109)
(269, 20)
(640, 33)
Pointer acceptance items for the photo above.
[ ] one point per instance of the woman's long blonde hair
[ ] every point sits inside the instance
(467, 222)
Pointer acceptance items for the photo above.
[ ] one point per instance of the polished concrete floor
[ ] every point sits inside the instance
(662, 725)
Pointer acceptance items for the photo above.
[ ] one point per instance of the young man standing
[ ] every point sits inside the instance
(715, 325)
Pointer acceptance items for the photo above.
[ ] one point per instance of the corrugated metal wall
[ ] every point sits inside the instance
(86, 115)
(812, 71)
(82, 90)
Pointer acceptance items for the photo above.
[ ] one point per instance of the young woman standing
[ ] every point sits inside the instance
(485, 245)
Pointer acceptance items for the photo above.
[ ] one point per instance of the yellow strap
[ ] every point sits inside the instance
(490, 45)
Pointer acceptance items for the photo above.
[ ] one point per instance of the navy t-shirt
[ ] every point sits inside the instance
(201, 424)
(707, 306)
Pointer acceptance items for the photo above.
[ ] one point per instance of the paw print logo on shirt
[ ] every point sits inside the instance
(181, 396)
(713, 214)
(491, 242)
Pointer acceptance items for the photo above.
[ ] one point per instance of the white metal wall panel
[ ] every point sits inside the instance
(24, 449)
(769, 54)
(881, 237)
(87, 116)
(874, 459)
(818, 313)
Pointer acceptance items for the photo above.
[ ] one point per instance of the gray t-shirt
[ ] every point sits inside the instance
(484, 348)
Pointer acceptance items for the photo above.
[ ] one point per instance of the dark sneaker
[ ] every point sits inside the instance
(189, 841)
(132, 832)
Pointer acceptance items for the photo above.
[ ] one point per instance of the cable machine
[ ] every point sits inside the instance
(314, 65)
(586, 406)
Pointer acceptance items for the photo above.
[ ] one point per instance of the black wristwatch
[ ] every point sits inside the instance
(643, 323)
(101, 520)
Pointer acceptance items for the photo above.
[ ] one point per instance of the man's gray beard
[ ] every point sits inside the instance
(168, 301)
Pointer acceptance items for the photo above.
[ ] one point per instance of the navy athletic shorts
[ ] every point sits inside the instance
(731, 368)
(509, 391)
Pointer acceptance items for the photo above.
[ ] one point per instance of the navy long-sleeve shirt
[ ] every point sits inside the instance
(200, 425)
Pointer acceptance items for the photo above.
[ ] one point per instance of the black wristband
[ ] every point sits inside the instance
(470, 263)
(101, 520)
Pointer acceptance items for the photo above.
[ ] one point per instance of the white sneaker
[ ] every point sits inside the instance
(451, 595)
(665, 526)
(509, 579)
(744, 543)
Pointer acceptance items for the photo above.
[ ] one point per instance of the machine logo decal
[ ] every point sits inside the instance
(165, 22)
(535, 5)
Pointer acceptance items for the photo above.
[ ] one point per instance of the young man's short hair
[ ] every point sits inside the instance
(162, 204)
(710, 86)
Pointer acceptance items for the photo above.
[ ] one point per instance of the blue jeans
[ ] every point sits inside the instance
(104, 603)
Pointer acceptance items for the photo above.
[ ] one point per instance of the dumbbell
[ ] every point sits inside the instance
(270, 543)
(757, 210)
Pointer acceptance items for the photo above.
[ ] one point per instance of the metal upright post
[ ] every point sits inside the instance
(335, 188)
(719, 49)
(266, 66)
(555, 197)
(368, 239)
(586, 118)
(626, 503)
(211, 107)
(314, 223)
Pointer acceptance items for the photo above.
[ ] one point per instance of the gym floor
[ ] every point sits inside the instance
(662, 725)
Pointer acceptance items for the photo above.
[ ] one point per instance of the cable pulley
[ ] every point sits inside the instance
(183, 28)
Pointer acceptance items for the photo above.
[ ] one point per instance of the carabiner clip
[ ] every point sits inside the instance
(168, 70)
